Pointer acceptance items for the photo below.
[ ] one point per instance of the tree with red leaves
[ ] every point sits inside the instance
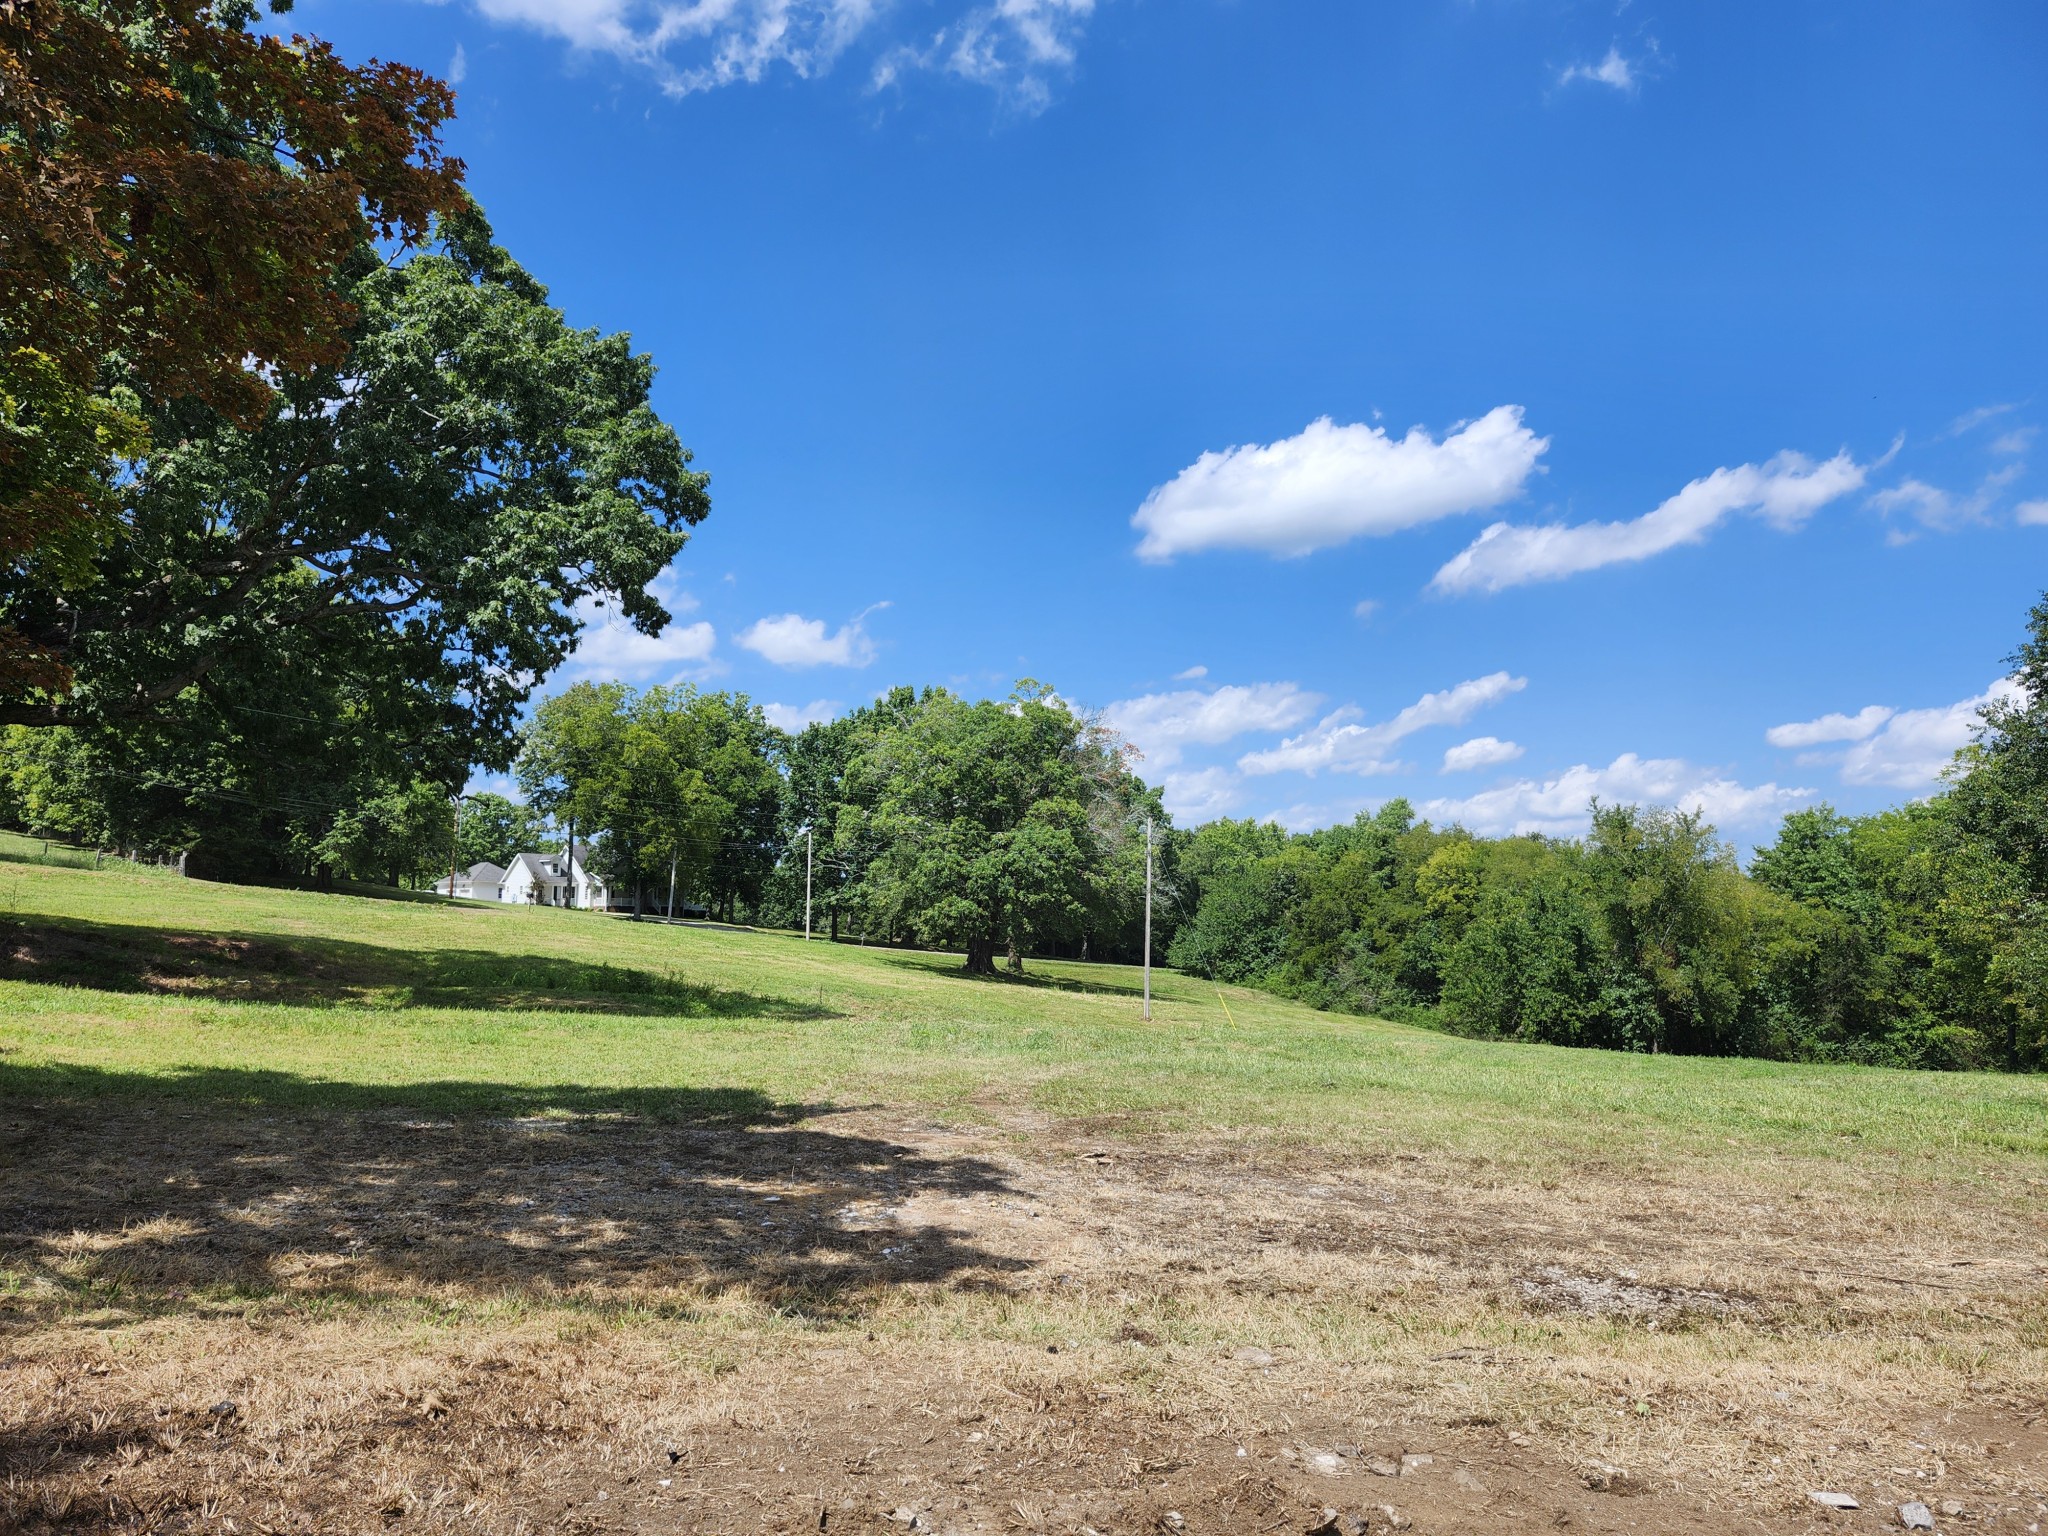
(179, 192)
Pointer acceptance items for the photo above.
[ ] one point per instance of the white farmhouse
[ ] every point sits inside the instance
(536, 880)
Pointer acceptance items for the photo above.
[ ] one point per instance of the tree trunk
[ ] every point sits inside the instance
(981, 957)
(835, 924)
(1016, 959)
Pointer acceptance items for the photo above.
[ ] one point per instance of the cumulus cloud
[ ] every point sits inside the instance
(1558, 806)
(1342, 745)
(1480, 752)
(1917, 744)
(1837, 727)
(610, 648)
(2032, 513)
(1613, 70)
(1015, 46)
(791, 640)
(1199, 795)
(794, 717)
(1161, 725)
(1785, 492)
(1330, 484)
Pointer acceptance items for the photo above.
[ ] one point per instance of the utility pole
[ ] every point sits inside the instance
(1148, 917)
(672, 887)
(454, 844)
(807, 885)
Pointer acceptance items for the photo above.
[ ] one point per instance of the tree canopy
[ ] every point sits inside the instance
(997, 825)
(177, 191)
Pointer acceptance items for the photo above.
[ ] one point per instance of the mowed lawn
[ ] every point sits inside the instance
(367, 1212)
(112, 982)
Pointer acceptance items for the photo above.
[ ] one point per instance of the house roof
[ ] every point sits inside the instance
(541, 866)
(485, 874)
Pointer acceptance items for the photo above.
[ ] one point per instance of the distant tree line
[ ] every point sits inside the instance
(1915, 937)
(1016, 827)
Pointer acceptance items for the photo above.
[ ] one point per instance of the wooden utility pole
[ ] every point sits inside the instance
(807, 885)
(1148, 917)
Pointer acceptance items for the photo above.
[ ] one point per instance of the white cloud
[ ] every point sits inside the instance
(1837, 727)
(1480, 752)
(1160, 725)
(1613, 70)
(791, 640)
(458, 66)
(1014, 46)
(1365, 608)
(794, 717)
(1558, 806)
(2033, 513)
(1191, 674)
(1331, 484)
(1941, 510)
(2018, 440)
(1785, 492)
(1917, 744)
(1200, 794)
(1969, 421)
(1311, 817)
(1340, 745)
(610, 648)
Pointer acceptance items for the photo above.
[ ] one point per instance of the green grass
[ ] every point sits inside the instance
(126, 983)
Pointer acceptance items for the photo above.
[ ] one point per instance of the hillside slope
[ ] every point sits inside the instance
(347, 1213)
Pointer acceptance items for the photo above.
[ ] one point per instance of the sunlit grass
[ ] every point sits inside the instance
(476, 1009)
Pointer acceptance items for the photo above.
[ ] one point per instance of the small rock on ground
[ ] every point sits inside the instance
(1916, 1516)
(1835, 1500)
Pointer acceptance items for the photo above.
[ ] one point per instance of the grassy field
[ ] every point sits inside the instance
(501, 1219)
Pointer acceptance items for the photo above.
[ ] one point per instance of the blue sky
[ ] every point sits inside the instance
(1495, 402)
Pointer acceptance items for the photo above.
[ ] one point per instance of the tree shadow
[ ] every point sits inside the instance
(951, 968)
(310, 971)
(131, 1195)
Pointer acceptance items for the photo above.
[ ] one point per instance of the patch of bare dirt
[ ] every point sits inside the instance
(383, 1319)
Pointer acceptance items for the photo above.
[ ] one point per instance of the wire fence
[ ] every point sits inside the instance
(20, 848)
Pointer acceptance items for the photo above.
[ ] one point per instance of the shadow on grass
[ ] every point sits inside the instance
(952, 968)
(111, 957)
(132, 1195)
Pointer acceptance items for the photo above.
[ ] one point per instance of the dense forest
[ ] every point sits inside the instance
(1008, 828)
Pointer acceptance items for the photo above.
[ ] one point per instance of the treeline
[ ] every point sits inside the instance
(1000, 827)
(1007, 828)
(1915, 937)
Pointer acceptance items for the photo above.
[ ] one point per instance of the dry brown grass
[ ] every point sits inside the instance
(352, 1320)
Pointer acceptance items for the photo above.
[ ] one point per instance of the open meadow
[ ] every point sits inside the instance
(346, 1213)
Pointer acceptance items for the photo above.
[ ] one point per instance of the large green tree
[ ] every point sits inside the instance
(668, 783)
(426, 523)
(995, 826)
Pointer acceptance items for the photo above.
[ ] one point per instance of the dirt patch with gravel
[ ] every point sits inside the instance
(793, 1320)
